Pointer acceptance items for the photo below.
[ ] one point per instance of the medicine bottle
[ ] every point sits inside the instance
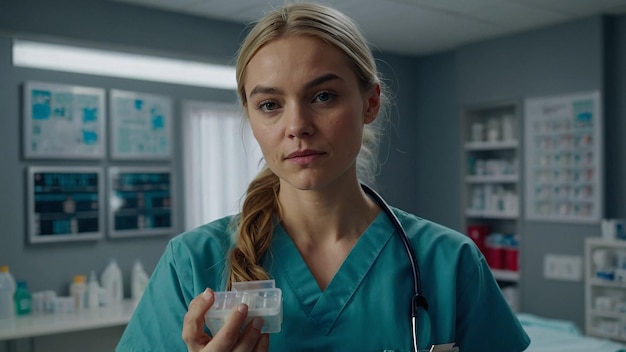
(78, 291)
(93, 291)
(112, 282)
(23, 299)
(7, 292)
(138, 281)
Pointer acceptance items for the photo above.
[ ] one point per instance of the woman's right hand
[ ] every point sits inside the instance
(230, 337)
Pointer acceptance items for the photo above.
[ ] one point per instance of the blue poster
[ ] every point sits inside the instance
(141, 125)
(63, 121)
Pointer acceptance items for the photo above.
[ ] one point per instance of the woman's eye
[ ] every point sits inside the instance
(324, 97)
(267, 106)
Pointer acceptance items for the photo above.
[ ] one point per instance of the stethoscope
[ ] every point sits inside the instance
(417, 300)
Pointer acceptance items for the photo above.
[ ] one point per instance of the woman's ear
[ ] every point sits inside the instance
(372, 104)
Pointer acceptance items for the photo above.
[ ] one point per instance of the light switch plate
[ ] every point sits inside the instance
(563, 267)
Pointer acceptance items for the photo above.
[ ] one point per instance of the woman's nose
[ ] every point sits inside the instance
(299, 122)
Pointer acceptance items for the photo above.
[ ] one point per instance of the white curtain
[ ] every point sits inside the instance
(220, 158)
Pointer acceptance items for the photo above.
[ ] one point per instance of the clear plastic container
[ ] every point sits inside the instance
(7, 291)
(264, 302)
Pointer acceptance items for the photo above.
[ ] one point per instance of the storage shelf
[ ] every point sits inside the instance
(612, 315)
(483, 214)
(490, 145)
(506, 275)
(34, 325)
(491, 178)
(606, 336)
(607, 283)
(596, 320)
(499, 145)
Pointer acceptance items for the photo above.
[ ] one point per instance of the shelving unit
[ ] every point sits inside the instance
(491, 144)
(605, 288)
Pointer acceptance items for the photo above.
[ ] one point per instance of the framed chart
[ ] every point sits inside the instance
(63, 121)
(65, 204)
(564, 158)
(141, 126)
(141, 201)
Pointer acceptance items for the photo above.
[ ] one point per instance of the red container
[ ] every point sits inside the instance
(511, 259)
(478, 233)
(495, 257)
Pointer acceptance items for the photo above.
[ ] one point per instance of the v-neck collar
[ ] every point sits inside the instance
(324, 307)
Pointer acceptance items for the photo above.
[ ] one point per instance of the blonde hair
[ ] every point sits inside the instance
(256, 225)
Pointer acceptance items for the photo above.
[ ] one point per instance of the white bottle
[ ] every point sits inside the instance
(93, 291)
(113, 283)
(7, 291)
(78, 291)
(139, 280)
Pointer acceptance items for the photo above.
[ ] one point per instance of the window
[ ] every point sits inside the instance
(221, 157)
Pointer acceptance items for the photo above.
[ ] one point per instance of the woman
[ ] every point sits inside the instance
(311, 91)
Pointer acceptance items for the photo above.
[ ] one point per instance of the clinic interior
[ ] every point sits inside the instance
(423, 152)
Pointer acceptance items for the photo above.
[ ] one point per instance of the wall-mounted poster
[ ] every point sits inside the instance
(564, 158)
(63, 121)
(140, 201)
(65, 203)
(141, 126)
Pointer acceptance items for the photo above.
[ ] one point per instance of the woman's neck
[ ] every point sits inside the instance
(332, 214)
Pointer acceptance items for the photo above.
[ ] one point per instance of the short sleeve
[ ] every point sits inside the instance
(485, 322)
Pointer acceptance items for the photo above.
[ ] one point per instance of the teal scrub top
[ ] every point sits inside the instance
(366, 306)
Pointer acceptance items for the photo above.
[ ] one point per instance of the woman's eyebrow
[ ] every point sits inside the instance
(313, 83)
(320, 80)
(264, 90)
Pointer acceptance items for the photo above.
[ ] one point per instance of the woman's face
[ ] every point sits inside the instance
(307, 110)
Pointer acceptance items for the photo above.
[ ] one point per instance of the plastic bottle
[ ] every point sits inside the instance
(7, 291)
(93, 291)
(138, 281)
(23, 299)
(112, 282)
(78, 291)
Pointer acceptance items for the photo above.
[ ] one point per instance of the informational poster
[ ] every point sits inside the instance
(65, 203)
(63, 121)
(141, 126)
(564, 158)
(140, 201)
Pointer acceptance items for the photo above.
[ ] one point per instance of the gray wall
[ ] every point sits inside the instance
(562, 59)
(90, 23)
(110, 25)
(421, 153)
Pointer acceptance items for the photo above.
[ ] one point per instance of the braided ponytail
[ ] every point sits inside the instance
(255, 229)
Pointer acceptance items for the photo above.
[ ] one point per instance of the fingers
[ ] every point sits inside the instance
(263, 345)
(229, 333)
(250, 336)
(193, 325)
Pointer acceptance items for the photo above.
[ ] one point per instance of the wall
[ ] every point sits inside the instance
(615, 109)
(109, 25)
(557, 60)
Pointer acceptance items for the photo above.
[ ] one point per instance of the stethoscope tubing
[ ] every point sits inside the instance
(418, 300)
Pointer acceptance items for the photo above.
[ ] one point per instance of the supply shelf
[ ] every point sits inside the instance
(491, 176)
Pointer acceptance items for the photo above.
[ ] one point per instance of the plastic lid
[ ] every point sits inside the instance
(80, 278)
(4, 268)
(22, 284)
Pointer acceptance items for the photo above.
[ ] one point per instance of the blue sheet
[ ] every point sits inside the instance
(553, 335)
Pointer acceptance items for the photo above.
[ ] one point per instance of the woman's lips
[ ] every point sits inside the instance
(303, 157)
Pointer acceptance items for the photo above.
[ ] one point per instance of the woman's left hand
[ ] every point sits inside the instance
(230, 337)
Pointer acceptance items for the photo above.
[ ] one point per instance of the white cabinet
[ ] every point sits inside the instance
(491, 187)
(605, 288)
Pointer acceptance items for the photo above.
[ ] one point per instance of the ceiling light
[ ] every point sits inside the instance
(117, 64)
